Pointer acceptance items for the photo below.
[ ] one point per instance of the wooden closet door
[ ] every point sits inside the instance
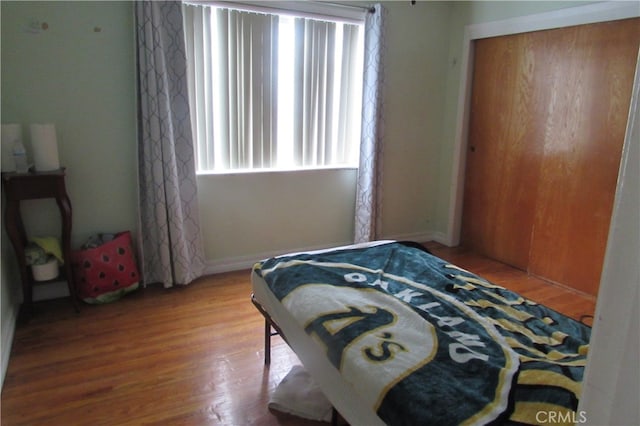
(590, 73)
(548, 116)
(503, 160)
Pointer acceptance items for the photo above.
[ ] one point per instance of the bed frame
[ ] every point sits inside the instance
(269, 327)
(272, 329)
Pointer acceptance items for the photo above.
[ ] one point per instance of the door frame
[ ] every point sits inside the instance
(599, 12)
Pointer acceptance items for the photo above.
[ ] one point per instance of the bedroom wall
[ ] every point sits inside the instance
(79, 75)
(82, 80)
(241, 223)
(9, 299)
(612, 378)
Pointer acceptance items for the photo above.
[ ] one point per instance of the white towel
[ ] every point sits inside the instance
(297, 394)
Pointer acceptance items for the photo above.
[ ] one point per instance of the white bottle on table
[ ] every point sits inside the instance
(20, 157)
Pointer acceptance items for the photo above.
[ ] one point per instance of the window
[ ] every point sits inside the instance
(273, 90)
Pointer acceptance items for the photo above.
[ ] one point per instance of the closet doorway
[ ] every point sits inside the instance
(547, 122)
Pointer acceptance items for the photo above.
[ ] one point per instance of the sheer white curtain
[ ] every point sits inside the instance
(233, 92)
(324, 125)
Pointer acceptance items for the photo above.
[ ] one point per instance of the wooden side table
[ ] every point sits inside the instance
(28, 186)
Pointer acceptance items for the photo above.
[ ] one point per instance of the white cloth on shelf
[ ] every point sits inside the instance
(299, 395)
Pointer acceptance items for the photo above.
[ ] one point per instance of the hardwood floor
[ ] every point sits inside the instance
(185, 356)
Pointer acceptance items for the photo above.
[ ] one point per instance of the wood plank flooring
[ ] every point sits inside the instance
(185, 356)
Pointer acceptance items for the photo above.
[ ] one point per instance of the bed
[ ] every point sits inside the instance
(394, 335)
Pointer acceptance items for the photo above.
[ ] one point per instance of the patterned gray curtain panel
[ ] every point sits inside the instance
(368, 191)
(171, 244)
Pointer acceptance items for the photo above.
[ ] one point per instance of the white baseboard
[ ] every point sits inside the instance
(419, 237)
(423, 237)
(238, 263)
(442, 238)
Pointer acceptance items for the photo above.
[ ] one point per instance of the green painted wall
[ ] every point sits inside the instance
(82, 80)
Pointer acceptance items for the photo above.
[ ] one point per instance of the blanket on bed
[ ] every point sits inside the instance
(425, 342)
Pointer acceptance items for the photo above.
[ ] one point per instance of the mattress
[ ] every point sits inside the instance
(394, 335)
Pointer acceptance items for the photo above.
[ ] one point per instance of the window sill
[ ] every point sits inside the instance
(274, 170)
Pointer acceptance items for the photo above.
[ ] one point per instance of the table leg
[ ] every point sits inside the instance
(17, 236)
(64, 204)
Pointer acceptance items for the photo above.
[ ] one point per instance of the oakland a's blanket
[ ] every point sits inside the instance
(425, 342)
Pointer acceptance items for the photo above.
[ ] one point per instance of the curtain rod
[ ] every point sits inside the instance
(350, 13)
(369, 9)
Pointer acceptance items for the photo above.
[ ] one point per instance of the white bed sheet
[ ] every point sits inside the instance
(341, 394)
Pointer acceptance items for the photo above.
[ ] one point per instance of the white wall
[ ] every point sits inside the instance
(612, 379)
(246, 216)
(82, 80)
(9, 299)
(250, 216)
